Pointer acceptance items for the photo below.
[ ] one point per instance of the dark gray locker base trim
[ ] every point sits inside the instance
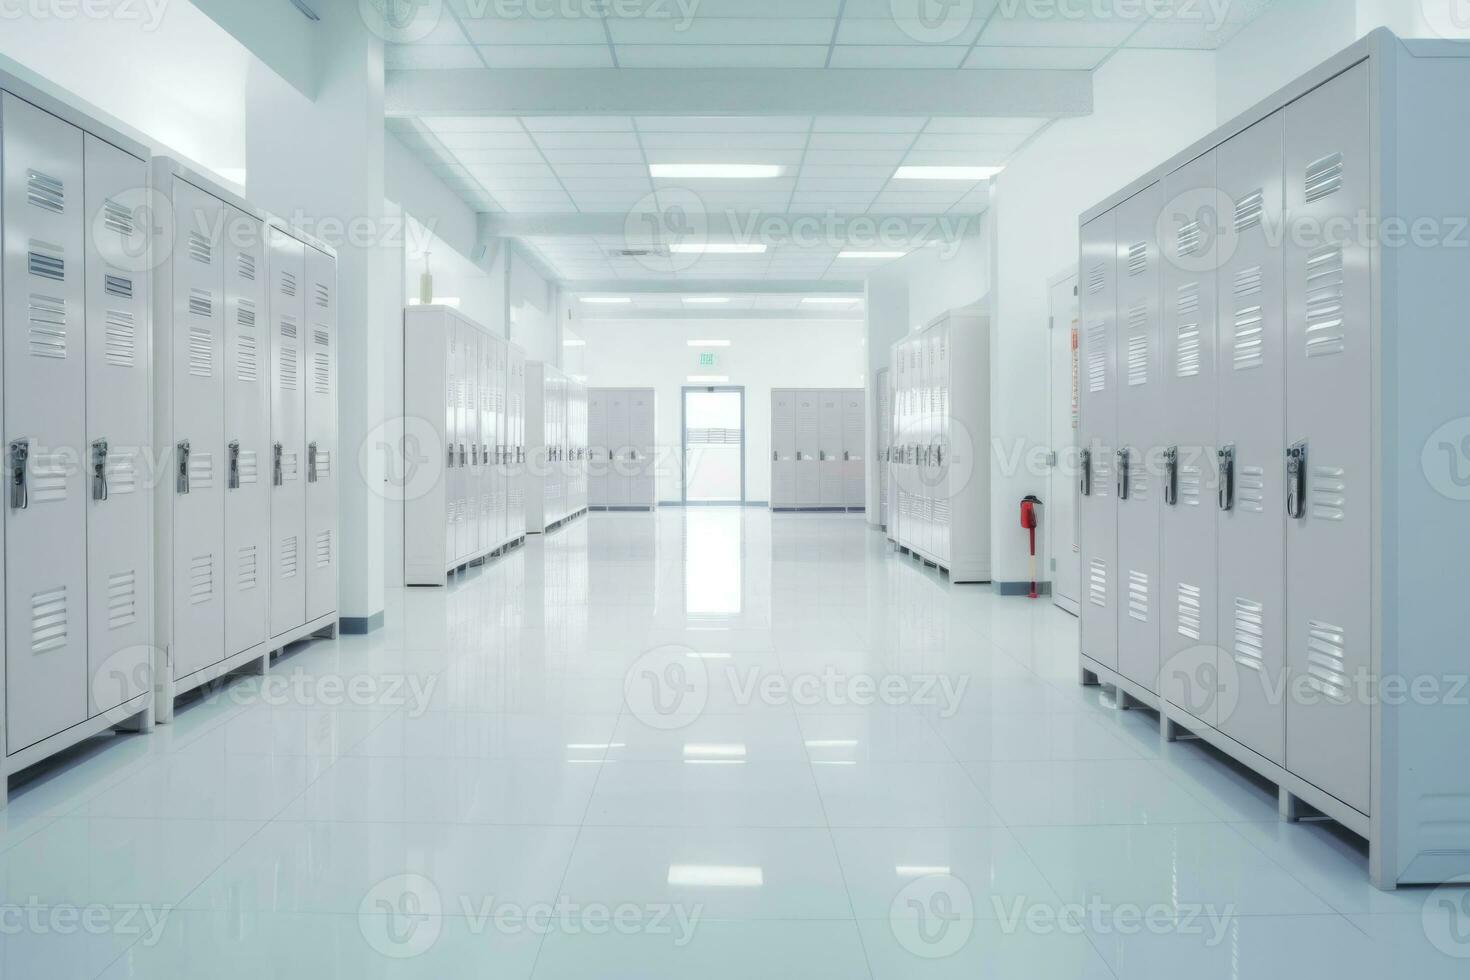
(1021, 588)
(360, 625)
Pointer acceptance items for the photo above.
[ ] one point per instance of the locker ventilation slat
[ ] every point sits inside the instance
(46, 261)
(45, 192)
(1190, 351)
(1324, 177)
(322, 365)
(245, 314)
(1329, 493)
(201, 471)
(116, 217)
(122, 475)
(1138, 485)
(122, 338)
(49, 620)
(247, 359)
(1327, 660)
(323, 464)
(119, 286)
(1138, 347)
(201, 302)
(290, 468)
(48, 333)
(1097, 278)
(1191, 484)
(1190, 606)
(201, 580)
(49, 478)
(122, 599)
(289, 327)
(245, 266)
(289, 562)
(1138, 596)
(1250, 634)
(323, 295)
(1326, 278)
(1189, 238)
(1249, 282)
(1137, 259)
(1250, 210)
(247, 568)
(288, 368)
(249, 468)
(200, 249)
(324, 550)
(1097, 358)
(1250, 338)
(201, 351)
(288, 284)
(1250, 490)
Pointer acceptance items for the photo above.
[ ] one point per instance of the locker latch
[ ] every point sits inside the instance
(461, 454)
(99, 469)
(1227, 478)
(846, 456)
(775, 456)
(181, 479)
(1084, 466)
(1296, 481)
(1123, 474)
(278, 466)
(311, 462)
(821, 455)
(451, 455)
(20, 453)
(234, 480)
(798, 455)
(1171, 476)
(939, 455)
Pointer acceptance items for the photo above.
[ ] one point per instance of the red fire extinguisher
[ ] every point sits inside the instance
(1029, 522)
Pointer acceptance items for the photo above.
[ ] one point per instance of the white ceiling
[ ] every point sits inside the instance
(740, 305)
(833, 165)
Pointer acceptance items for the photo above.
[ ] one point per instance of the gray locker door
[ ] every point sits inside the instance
(597, 442)
(452, 475)
(197, 357)
(1098, 438)
(928, 429)
(321, 436)
(517, 476)
(495, 435)
(1192, 251)
(1140, 406)
(643, 435)
(854, 447)
(489, 527)
(470, 439)
(783, 448)
(288, 434)
(939, 485)
(247, 436)
(1329, 409)
(1252, 383)
(119, 355)
(885, 440)
(620, 441)
(833, 488)
(808, 443)
(45, 398)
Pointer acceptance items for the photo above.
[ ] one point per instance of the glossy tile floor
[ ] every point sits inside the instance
(711, 743)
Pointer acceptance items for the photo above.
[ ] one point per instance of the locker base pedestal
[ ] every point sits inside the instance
(135, 716)
(1128, 695)
(170, 689)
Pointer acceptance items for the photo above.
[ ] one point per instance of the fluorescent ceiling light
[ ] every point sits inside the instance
(709, 379)
(717, 248)
(946, 173)
(831, 300)
(596, 746)
(709, 343)
(707, 300)
(608, 300)
(716, 171)
(716, 876)
(852, 254)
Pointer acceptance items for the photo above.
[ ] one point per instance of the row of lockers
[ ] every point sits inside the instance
(465, 394)
(818, 448)
(1258, 385)
(556, 423)
(620, 431)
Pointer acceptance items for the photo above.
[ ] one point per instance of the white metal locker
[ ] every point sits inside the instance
(321, 435)
(1328, 159)
(247, 432)
(500, 434)
(597, 400)
(832, 474)
(783, 448)
(808, 444)
(927, 426)
(197, 360)
(45, 424)
(485, 482)
(620, 444)
(288, 433)
(884, 442)
(1098, 437)
(119, 438)
(516, 477)
(1140, 404)
(940, 490)
(470, 439)
(855, 447)
(643, 491)
(1191, 245)
(450, 450)
(1252, 398)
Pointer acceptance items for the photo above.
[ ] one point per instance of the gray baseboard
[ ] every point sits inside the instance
(1021, 588)
(360, 625)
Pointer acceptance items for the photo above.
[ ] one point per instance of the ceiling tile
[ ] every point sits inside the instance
(410, 57)
(534, 30)
(720, 56)
(705, 29)
(548, 55)
(579, 124)
(1037, 58)
(911, 56)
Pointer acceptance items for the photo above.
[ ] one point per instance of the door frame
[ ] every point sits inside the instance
(1060, 481)
(684, 442)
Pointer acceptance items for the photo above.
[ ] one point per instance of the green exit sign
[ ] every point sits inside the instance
(707, 359)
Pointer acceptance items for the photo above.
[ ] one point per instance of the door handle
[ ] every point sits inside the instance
(846, 456)
(181, 479)
(311, 462)
(775, 456)
(278, 467)
(99, 470)
(1227, 478)
(798, 455)
(1171, 476)
(20, 453)
(1123, 456)
(1296, 481)
(1084, 466)
(234, 477)
(938, 455)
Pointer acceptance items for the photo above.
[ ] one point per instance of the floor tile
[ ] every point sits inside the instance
(901, 794)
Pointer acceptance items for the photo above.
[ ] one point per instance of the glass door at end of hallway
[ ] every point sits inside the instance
(714, 446)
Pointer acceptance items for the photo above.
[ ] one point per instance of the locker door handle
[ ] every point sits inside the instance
(181, 479)
(461, 454)
(822, 456)
(938, 455)
(775, 456)
(311, 463)
(846, 456)
(798, 455)
(1084, 465)
(1123, 455)
(451, 456)
(1227, 478)
(234, 478)
(1296, 481)
(99, 470)
(1171, 476)
(20, 453)
(278, 467)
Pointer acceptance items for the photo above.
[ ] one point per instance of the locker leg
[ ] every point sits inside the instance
(1087, 678)
(163, 691)
(1175, 732)
(1291, 807)
(140, 724)
(261, 666)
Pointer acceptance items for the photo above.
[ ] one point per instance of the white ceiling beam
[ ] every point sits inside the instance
(855, 316)
(725, 287)
(737, 92)
(835, 230)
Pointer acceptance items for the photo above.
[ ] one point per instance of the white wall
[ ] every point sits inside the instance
(1285, 41)
(765, 354)
(532, 303)
(946, 277)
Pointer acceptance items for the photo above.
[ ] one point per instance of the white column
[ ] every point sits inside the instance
(888, 321)
(319, 163)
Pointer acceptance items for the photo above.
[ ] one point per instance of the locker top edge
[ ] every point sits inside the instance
(438, 309)
(48, 98)
(168, 166)
(1370, 45)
